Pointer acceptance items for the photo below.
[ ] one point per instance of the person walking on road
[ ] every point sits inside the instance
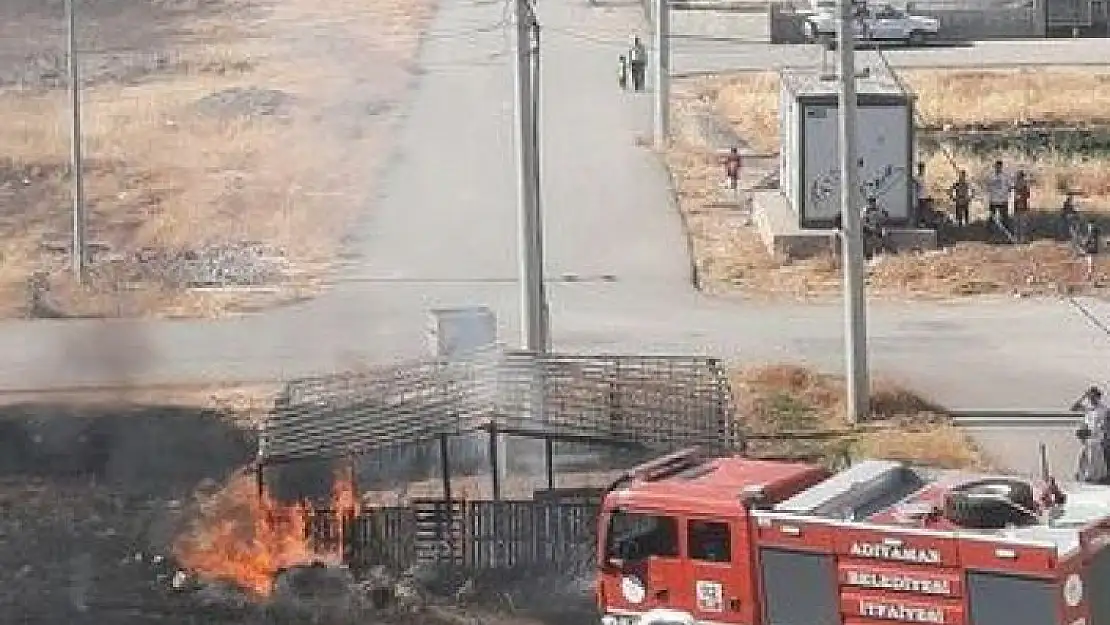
(1093, 435)
(637, 60)
(622, 72)
(998, 187)
(960, 194)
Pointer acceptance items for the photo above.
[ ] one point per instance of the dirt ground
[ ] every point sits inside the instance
(227, 147)
(732, 257)
(90, 498)
(786, 400)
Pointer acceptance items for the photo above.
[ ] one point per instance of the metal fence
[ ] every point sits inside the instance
(1069, 13)
(650, 400)
(476, 536)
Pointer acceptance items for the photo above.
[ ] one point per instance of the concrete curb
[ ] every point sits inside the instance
(1005, 419)
(676, 206)
(720, 7)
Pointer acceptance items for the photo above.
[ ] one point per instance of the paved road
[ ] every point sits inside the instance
(1016, 449)
(696, 56)
(443, 234)
(708, 41)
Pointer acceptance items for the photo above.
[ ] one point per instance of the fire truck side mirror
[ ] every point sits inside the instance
(622, 551)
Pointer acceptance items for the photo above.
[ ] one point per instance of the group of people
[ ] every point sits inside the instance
(1007, 198)
(1008, 211)
(632, 67)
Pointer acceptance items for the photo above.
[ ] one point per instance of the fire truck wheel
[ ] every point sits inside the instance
(990, 504)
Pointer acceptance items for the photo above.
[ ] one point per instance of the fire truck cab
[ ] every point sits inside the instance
(696, 539)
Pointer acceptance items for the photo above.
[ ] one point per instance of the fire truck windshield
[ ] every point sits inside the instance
(635, 536)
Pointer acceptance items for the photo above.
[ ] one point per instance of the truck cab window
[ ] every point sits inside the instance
(634, 536)
(709, 541)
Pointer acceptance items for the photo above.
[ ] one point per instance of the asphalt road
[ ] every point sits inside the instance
(443, 233)
(708, 41)
(1016, 449)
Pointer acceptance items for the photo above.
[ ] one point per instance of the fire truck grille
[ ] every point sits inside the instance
(1098, 578)
(1006, 599)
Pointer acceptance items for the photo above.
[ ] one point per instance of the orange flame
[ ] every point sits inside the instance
(245, 539)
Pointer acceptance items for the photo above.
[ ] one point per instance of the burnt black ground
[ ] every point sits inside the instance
(89, 497)
(92, 497)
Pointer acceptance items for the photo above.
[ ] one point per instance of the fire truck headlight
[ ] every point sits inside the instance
(633, 589)
(1073, 590)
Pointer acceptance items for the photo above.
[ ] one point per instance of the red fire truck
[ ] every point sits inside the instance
(697, 539)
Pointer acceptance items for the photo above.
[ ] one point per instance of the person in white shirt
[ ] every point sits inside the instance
(1092, 433)
(998, 188)
(920, 193)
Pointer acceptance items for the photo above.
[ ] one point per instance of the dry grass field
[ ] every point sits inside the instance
(731, 256)
(904, 426)
(960, 99)
(220, 135)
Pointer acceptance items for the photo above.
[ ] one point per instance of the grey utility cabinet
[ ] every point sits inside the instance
(810, 155)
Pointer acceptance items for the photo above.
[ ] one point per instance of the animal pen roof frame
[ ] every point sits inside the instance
(653, 402)
(809, 136)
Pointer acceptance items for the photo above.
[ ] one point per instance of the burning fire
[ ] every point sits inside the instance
(243, 538)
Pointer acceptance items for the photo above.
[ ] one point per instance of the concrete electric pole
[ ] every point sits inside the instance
(855, 301)
(662, 72)
(78, 251)
(533, 294)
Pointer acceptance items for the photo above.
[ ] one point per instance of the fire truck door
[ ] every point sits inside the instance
(651, 569)
(718, 578)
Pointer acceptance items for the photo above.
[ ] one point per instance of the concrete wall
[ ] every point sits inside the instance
(955, 24)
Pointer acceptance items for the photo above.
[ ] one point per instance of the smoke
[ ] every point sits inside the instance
(117, 353)
(81, 579)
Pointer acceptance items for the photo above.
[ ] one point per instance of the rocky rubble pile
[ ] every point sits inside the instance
(239, 264)
(235, 264)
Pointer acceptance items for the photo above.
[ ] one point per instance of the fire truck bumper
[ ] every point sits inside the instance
(652, 617)
(620, 619)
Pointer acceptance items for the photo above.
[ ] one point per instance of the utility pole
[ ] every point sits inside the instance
(533, 296)
(78, 252)
(662, 72)
(855, 301)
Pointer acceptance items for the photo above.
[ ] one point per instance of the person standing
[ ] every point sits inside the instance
(637, 60)
(1090, 245)
(1069, 218)
(998, 187)
(874, 226)
(622, 72)
(1093, 467)
(960, 194)
(1022, 192)
(920, 194)
(732, 168)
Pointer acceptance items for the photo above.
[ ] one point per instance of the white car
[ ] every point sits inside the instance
(880, 24)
